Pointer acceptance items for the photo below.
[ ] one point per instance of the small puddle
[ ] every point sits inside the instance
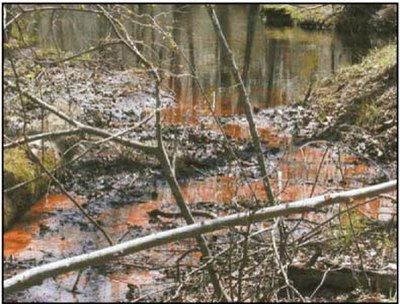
(24, 239)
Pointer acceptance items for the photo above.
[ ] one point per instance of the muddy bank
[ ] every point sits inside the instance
(112, 100)
(96, 95)
(356, 107)
(354, 18)
(306, 16)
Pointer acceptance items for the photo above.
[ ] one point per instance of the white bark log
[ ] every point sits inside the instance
(36, 275)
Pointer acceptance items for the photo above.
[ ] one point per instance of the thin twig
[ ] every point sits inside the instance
(284, 273)
(319, 171)
(321, 283)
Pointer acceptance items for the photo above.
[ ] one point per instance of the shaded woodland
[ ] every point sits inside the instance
(186, 152)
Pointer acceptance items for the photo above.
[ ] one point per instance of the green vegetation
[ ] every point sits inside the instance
(18, 165)
(380, 59)
(368, 81)
(18, 168)
(307, 16)
(351, 227)
(358, 104)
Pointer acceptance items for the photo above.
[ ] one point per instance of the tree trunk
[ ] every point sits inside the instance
(247, 105)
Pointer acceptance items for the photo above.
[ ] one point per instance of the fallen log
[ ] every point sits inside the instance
(36, 275)
(306, 280)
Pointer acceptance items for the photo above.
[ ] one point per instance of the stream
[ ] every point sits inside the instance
(281, 64)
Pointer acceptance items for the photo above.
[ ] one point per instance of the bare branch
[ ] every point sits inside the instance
(247, 105)
(99, 142)
(160, 152)
(49, 8)
(85, 128)
(38, 274)
(47, 135)
(70, 197)
(90, 50)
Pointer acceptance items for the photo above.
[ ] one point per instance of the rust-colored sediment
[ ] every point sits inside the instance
(23, 233)
(15, 241)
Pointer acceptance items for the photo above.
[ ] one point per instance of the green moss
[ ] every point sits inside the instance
(50, 161)
(310, 16)
(277, 14)
(18, 168)
(17, 164)
(283, 7)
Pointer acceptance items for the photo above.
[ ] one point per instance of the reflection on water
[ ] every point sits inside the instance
(277, 64)
(24, 238)
(16, 241)
(299, 171)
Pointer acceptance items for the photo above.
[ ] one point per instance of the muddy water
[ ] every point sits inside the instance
(51, 230)
(279, 62)
(280, 66)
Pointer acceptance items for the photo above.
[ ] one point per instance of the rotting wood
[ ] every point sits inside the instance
(340, 279)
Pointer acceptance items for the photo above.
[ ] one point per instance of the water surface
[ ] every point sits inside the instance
(278, 64)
